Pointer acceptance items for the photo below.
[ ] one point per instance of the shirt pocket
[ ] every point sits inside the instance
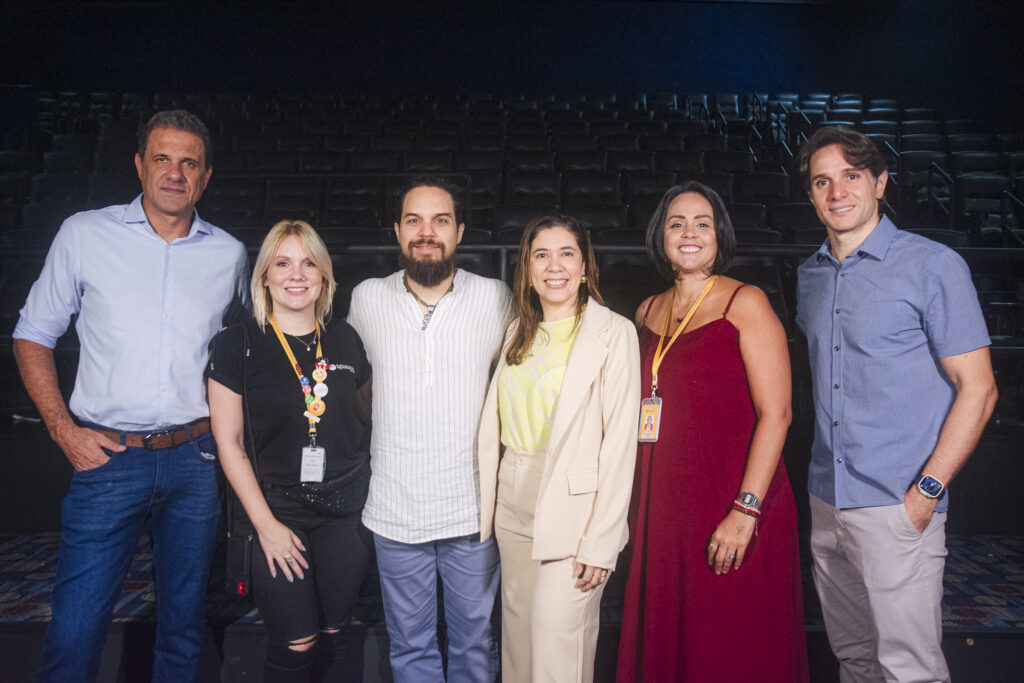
(582, 481)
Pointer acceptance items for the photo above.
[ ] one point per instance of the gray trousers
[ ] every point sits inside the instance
(880, 585)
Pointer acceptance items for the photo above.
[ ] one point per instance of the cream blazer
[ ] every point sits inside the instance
(588, 473)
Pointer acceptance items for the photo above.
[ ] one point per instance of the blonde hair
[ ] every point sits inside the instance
(262, 304)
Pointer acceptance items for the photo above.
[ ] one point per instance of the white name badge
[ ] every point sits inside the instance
(314, 463)
(650, 419)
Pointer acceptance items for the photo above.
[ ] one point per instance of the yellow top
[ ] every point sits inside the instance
(528, 392)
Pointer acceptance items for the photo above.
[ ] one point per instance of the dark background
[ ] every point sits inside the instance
(960, 54)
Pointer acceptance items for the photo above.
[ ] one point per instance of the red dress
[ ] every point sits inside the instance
(680, 621)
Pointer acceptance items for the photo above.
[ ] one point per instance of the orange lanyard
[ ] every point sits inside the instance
(659, 354)
(313, 396)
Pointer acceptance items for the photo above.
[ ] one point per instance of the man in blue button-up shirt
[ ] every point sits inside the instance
(903, 386)
(151, 283)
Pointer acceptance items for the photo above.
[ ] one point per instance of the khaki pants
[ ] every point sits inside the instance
(880, 584)
(548, 626)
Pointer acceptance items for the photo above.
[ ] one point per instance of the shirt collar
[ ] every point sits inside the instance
(875, 245)
(135, 214)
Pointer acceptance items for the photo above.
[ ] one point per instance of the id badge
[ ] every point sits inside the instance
(314, 462)
(650, 419)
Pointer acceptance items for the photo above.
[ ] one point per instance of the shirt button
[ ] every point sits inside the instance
(836, 423)
(839, 459)
(842, 274)
(837, 311)
(835, 386)
(835, 348)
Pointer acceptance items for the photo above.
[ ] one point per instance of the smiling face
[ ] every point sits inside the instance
(292, 279)
(556, 270)
(845, 198)
(428, 234)
(691, 244)
(173, 173)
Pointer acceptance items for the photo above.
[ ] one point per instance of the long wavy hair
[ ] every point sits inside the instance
(527, 311)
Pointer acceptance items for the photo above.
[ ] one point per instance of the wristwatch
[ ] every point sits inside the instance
(930, 487)
(750, 500)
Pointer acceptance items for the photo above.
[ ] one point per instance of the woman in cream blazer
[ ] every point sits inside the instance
(557, 446)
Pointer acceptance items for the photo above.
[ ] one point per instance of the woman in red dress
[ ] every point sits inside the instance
(713, 591)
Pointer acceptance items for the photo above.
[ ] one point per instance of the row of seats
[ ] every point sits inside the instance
(363, 198)
(370, 200)
(345, 155)
(519, 160)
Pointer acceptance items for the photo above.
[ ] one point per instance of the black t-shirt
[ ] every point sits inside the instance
(276, 401)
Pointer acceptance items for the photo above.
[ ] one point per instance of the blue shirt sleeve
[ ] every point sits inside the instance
(953, 320)
(56, 295)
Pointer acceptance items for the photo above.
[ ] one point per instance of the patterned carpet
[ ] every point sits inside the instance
(28, 563)
(984, 587)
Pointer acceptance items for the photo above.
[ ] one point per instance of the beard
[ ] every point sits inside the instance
(426, 273)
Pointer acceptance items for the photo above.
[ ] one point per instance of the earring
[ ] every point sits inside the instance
(583, 279)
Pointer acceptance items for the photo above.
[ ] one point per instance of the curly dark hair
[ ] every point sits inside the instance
(858, 150)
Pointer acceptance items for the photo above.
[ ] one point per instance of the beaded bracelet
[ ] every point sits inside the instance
(753, 512)
(745, 509)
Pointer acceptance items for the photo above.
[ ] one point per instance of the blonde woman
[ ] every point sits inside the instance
(557, 448)
(293, 385)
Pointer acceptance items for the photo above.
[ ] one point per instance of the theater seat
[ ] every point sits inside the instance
(585, 187)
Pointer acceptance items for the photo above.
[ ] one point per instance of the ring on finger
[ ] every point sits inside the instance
(712, 545)
(731, 557)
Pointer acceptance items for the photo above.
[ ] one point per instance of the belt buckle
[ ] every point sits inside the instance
(147, 440)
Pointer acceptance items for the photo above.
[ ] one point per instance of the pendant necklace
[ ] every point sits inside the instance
(307, 344)
(430, 307)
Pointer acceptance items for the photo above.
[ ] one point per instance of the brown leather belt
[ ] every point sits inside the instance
(158, 440)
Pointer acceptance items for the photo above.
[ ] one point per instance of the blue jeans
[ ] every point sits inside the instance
(408, 581)
(175, 489)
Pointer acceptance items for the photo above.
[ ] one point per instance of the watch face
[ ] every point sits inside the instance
(931, 485)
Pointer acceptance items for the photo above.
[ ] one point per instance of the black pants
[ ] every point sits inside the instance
(338, 553)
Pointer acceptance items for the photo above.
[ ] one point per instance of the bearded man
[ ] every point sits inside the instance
(432, 334)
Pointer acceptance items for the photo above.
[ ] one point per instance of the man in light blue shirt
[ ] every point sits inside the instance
(151, 283)
(903, 387)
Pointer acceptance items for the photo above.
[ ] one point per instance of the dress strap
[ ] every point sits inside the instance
(729, 305)
(648, 311)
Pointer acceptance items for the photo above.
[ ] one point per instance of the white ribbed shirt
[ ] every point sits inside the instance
(428, 391)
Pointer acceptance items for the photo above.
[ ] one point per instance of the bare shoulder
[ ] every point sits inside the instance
(750, 305)
(641, 311)
(651, 308)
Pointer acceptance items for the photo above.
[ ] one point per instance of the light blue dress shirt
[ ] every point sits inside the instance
(876, 327)
(146, 309)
